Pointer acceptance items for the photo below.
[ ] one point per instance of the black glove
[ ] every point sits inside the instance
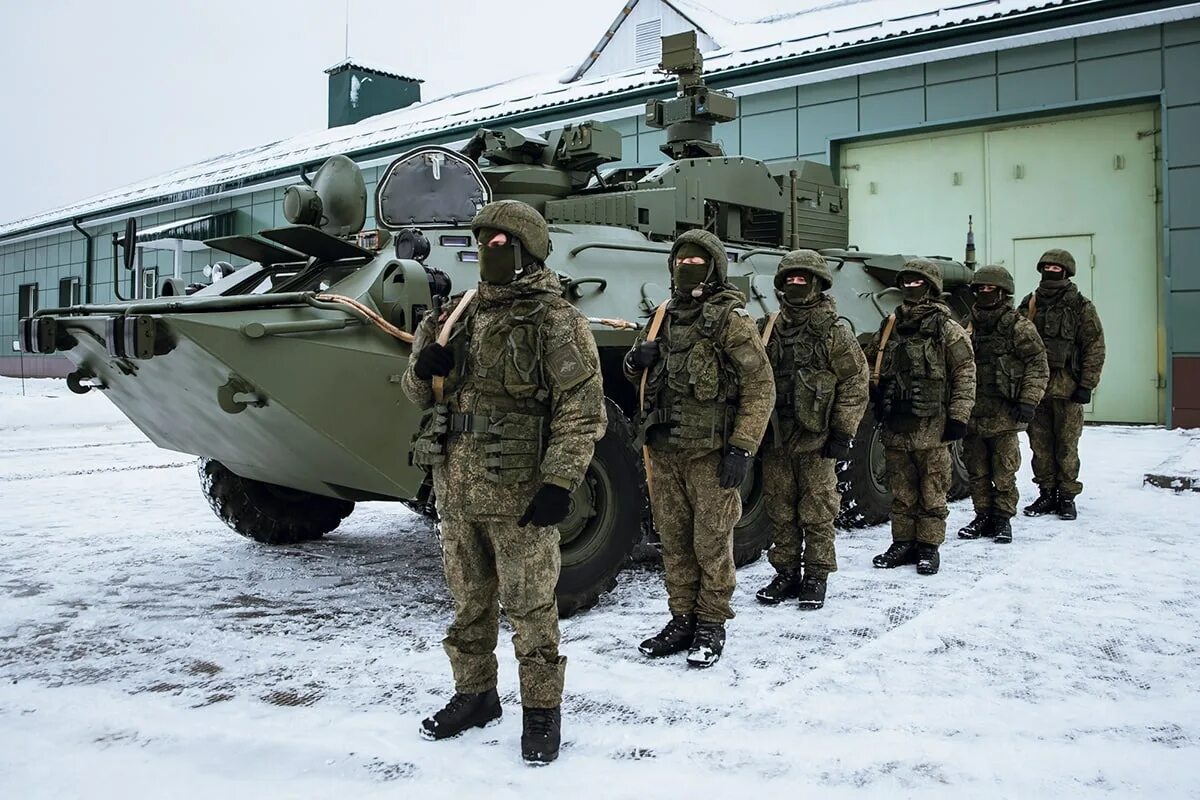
(837, 446)
(548, 507)
(955, 430)
(643, 355)
(1023, 412)
(433, 360)
(734, 466)
(1082, 396)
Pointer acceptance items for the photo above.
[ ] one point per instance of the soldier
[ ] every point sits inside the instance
(708, 397)
(1010, 378)
(508, 439)
(1070, 329)
(820, 396)
(924, 387)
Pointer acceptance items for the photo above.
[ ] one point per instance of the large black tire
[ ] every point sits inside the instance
(607, 512)
(866, 498)
(752, 534)
(268, 513)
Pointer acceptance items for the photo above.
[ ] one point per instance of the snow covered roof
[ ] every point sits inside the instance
(815, 29)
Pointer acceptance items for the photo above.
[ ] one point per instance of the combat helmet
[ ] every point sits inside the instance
(926, 268)
(516, 219)
(710, 243)
(1060, 257)
(803, 261)
(993, 275)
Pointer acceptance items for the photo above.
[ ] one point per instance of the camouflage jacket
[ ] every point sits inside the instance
(929, 348)
(1010, 368)
(712, 383)
(526, 379)
(1074, 338)
(821, 375)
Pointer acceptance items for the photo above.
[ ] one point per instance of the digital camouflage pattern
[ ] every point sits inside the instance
(927, 268)
(1061, 257)
(516, 219)
(992, 463)
(1054, 438)
(804, 261)
(523, 406)
(800, 490)
(919, 480)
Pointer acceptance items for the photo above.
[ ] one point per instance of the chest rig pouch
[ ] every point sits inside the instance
(505, 375)
(1059, 325)
(805, 380)
(693, 387)
(914, 368)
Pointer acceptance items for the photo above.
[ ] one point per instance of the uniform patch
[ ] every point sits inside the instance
(566, 367)
(960, 352)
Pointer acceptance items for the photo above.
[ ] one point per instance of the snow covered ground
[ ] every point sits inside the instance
(147, 652)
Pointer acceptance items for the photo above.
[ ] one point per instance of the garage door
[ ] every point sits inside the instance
(1087, 184)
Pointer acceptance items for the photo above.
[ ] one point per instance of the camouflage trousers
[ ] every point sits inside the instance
(489, 563)
(1054, 437)
(992, 463)
(694, 518)
(919, 480)
(800, 490)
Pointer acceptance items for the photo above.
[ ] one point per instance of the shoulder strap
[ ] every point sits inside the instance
(439, 382)
(1032, 309)
(655, 324)
(883, 340)
(769, 328)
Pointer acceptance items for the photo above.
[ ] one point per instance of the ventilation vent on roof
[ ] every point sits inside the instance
(646, 43)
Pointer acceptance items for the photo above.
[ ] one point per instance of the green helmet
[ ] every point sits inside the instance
(804, 261)
(516, 219)
(711, 244)
(1060, 257)
(926, 268)
(993, 275)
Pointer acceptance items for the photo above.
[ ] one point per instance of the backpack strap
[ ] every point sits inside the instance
(883, 340)
(1032, 305)
(660, 314)
(769, 328)
(439, 381)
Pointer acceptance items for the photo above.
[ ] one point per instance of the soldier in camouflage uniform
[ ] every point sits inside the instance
(522, 411)
(1010, 378)
(820, 397)
(709, 395)
(923, 388)
(1074, 339)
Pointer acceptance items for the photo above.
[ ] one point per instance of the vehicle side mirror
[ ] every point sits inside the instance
(130, 242)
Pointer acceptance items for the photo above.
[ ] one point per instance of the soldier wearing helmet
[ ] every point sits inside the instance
(923, 386)
(1010, 378)
(820, 397)
(708, 396)
(1074, 339)
(515, 405)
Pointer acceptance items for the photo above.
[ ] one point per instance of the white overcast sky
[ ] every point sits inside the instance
(96, 94)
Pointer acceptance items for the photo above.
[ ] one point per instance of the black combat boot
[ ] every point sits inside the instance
(1066, 507)
(784, 586)
(540, 735)
(928, 561)
(462, 712)
(1047, 503)
(982, 525)
(899, 554)
(674, 638)
(812, 591)
(1003, 529)
(707, 645)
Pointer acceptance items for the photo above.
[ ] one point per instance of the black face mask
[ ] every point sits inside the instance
(914, 294)
(498, 265)
(690, 278)
(988, 299)
(795, 294)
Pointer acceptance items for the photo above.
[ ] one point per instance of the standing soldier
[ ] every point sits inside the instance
(708, 395)
(924, 387)
(820, 396)
(1011, 375)
(515, 400)
(1070, 329)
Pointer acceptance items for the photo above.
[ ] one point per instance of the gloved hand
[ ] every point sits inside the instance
(837, 446)
(954, 431)
(644, 355)
(1082, 396)
(734, 466)
(433, 360)
(548, 507)
(1023, 412)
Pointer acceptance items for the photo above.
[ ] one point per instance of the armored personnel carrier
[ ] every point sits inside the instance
(284, 376)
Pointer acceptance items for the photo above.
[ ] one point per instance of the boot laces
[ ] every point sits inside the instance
(675, 626)
(811, 582)
(539, 722)
(780, 582)
(706, 636)
(458, 702)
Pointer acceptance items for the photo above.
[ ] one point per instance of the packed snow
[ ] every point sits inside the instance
(146, 651)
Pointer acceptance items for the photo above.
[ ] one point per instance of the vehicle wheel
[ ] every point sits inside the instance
(960, 480)
(268, 513)
(752, 534)
(605, 521)
(862, 480)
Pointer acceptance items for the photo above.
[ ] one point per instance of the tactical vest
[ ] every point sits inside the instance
(998, 369)
(512, 409)
(692, 391)
(913, 381)
(1058, 322)
(805, 381)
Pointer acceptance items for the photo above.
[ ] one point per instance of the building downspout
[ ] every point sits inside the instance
(88, 258)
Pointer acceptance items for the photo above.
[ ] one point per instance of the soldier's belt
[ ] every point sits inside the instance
(469, 423)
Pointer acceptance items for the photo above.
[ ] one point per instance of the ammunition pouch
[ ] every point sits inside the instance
(513, 446)
(687, 425)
